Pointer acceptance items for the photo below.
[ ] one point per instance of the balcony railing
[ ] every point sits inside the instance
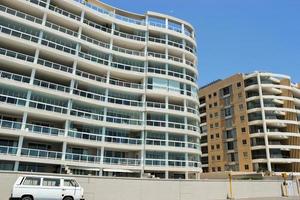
(15, 77)
(128, 51)
(127, 67)
(93, 58)
(36, 153)
(122, 120)
(20, 14)
(8, 150)
(96, 42)
(89, 95)
(126, 102)
(56, 66)
(126, 84)
(155, 142)
(157, 40)
(155, 162)
(47, 107)
(122, 161)
(61, 29)
(42, 3)
(84, 135)
(59, 47)
(50, 85)
(87, 115)
(130, 36)
(44, 130)
(123, 140)
(17, 55)
(65, 13)
(83, 158)
(19, 34)
(97, 26)
(90, 76)
(177, 163)
(7, 124)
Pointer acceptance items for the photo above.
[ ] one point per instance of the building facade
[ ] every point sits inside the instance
(87, 88)
(250, 122)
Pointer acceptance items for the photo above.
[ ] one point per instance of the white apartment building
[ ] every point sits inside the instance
(89, 89)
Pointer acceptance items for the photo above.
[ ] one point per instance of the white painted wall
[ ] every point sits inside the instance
(147, 189)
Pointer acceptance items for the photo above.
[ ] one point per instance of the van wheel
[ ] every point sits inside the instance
(27, 198)
(68, 198)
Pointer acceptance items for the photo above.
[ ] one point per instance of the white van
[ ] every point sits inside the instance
(46, 188)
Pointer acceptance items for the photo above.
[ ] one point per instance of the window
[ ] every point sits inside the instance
(245, 154)
(218, 157)
(212, 137)
(210, 105)
(244, 141)
(242, 118)
(212, 147)
(51, 182)
(215, 104)
(216, 114)
(218, 146)
(241, 106)
(70, 183)
(211, 126)
(216, 124)
(239, 84)
(240, 95)
(217, 135)
(219, 169)
(211, 115)
(246, 167)
(209, 96)
(243, 130)
(213, 169)
(227, 112)
(32, 181)
(215, 94)
(230, 146)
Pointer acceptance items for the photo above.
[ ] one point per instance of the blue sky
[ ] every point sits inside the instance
(236, 35)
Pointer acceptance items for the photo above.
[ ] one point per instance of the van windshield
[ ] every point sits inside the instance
(70, 183)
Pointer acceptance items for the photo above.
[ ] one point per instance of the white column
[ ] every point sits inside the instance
(264, 122)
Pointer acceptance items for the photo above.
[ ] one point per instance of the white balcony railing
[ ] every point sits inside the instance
(121, 161)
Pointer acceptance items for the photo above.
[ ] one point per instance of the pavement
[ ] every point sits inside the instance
(272, 198)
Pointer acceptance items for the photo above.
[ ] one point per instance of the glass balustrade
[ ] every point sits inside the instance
(125, 84)
(91, 76)
(57, 46)
(65, 13)
(42, 3)
(44, 130)
(84, 135)
(123, 140)
(8, 150)
(121, 120)
(7, 124)
(155, 162)
(127, 67)
(89, 95)
(155, 142)
(15, 77)
(97, 26)
(121, 161)
(47, 107)
(128, 51)
(87, 115)
(177, 163)
(52, 86)
(19, 34)
(176, 125)
(130, 36)
(61, 29)
(156, 123)
(94, 41)
(36, 153)
(56, 66)
(83, 158)
(93, 58)
(12, 100)
(20, 14)
(14, 54)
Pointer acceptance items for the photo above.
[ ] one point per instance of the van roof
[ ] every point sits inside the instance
(42, 176)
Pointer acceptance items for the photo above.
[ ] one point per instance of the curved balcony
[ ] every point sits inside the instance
(83, 158)
(121, 161)
(36, 153)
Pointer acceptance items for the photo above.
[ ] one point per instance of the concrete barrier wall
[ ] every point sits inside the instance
(98, 188)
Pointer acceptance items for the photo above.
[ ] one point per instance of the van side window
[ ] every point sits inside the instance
(70, 183)
(32, 181)
(51, 182)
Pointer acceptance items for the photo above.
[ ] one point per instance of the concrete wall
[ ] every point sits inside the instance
(146, 189)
